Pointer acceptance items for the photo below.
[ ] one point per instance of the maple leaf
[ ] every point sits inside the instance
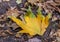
(33, 24)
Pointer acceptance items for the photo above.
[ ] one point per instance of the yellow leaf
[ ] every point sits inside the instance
(33, 24)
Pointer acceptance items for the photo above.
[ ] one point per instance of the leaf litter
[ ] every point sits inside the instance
(9, 29)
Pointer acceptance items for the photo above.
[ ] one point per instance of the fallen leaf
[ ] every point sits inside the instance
(33, 25)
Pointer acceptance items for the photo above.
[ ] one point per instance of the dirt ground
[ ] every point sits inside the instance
(9, 29)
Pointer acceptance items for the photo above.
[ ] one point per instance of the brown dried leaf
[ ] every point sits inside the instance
(33, 1)
(14, 25)
(11, 12)
(50, 5)
(8, 32)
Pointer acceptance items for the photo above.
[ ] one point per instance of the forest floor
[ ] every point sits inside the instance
(9, 29)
